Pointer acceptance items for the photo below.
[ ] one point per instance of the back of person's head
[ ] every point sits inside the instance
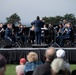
(32, 57)
(22, 61)
(50, 54)
(73, 72)
(57, 65)
(60, 53)
(38, 18)
(20, 68)
(2, 64)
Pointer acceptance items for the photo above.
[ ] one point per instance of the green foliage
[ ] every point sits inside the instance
(13, 19)
(55, 20)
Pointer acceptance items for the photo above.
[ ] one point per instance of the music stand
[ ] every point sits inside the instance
(55, 44)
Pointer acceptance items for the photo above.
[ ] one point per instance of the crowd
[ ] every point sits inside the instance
(55, 64)
(39, 32)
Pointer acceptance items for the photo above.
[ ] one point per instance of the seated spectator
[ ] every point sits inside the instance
(20, 68)
(73, 72)
(44, 69)
(2, 65)
(59, 66)
(32, 63)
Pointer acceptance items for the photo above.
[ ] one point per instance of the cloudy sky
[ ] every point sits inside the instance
(29, 9)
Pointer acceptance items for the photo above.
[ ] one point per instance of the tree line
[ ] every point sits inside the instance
(15, 18)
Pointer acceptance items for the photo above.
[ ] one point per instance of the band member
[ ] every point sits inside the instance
(66, 34)
(60, 30)
(1, 31)
(50, 33)
(20, 29)
(44, 34)
(32, 34)
(20, 33)
(9, 33)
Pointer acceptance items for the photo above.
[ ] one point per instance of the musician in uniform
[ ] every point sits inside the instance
(20, 33)
(60, 30)
(9, 33)
(65, 33)
(50, 33)
(1, 31)
(32, 34)
(44, 34)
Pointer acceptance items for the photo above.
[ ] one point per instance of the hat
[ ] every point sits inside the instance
(23, 60)
(60, 53)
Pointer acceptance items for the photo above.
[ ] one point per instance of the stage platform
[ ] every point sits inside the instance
(13, 55)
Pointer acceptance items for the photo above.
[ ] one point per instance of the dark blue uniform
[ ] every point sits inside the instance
(9, 35)
(1, 33)
(20, 34)
(37, 24)
(66, 35)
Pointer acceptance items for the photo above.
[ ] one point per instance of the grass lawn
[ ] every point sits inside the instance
(11, 69)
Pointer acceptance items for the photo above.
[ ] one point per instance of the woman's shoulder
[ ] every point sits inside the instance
(33, 63)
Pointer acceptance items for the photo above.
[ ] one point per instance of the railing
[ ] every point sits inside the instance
(13, 55)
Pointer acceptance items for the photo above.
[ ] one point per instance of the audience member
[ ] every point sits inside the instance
(2, 65)
(44, 69)
(32, 63)
(59, 66)
(20, 68)
(73, 72)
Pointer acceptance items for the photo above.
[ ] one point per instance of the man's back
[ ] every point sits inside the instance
(43, 69)
(37, 25)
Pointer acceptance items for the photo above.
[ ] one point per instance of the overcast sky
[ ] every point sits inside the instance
(29, 9)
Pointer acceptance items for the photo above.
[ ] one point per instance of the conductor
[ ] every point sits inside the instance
(37, 24)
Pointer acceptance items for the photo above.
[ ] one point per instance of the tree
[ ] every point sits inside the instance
(71, 18)
(55, 20)
(13, 19)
